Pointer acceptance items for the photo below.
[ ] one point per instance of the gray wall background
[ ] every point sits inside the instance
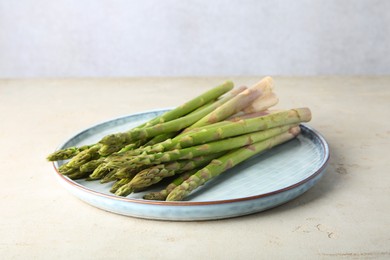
(85, 38)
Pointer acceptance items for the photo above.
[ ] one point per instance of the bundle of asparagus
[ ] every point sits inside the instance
(192, 144)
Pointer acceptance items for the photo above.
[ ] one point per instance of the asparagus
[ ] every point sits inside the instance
(161, 128)
(262, 103)
(238, 103)
(193, 104)
(242, 116)
(94, 164)
(66, 153)
(106, 167)
(162, 195)
(225, 129)
(292, 116)
(127, 171)
(84, 156)
(154, 174)
(210, 148)
(227, 161)
(159, 138)
(119, 183)
(208, 134)
(75, 175)
(105, 150)
(82, 159)
(137, 147)
(192, 135)
(178, 112)
(168, 127)
(65, 170)
(90, 166)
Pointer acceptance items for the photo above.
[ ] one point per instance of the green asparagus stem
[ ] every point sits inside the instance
(193, 104)
(287, 117)
(90, 166)
(178, 112)
(162, 195)
(77, 175)
(210, 148)
(208, 134)
(65, 170)
(166, 127)
(154, 174)
(105, 150)
(66, 153)
(227, 161)
(108, 177)
(104, 168)
(129, 171)
(87, 155)
(225, 129)
(139, 147)
(169, 127)
(119, 183)
(160, 138)
(94, 164)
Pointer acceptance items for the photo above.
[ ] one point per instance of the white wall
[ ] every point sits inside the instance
(76, 38)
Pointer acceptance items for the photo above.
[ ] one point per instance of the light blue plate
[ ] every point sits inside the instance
(262, 182)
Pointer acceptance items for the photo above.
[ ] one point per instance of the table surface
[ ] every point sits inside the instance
(345, 215)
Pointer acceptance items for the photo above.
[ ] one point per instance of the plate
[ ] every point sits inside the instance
(262, 182)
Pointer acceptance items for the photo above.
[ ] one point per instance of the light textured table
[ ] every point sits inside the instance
(345, 215)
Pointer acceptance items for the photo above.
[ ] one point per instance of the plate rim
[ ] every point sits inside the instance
(77, 185)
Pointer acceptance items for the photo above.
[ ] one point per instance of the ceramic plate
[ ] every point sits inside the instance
(262, 182)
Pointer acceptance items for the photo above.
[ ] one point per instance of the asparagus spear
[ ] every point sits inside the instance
(75, 175)
(91, 153)
(161, 128)
(292, 116)
(238, 103)
(225, 129)
(129, 172)
(193, 104)
(214, 132)
(181, 110)
(111, 166)
(90, 166)
(210, 148)
(65, 170)
(156, 173)
(162, 195)
(227, 161)
(66, 153)
(169, 127)
(137, 147)
(105, 150)
(119, 183)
